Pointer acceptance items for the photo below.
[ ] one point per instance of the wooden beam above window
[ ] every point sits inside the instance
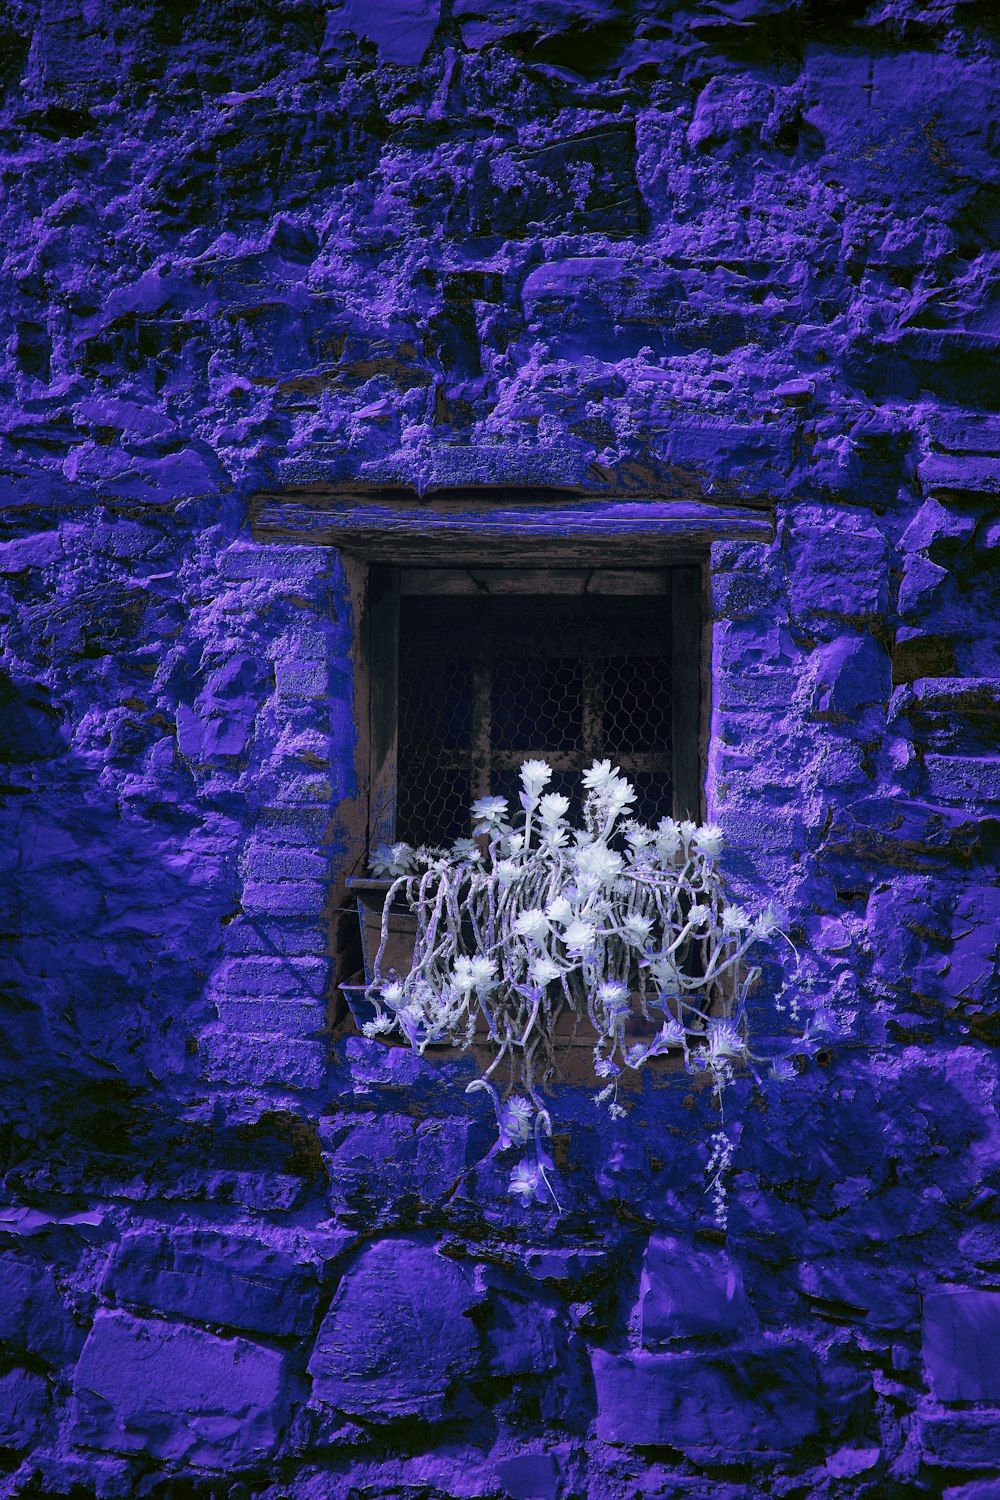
(507, 527)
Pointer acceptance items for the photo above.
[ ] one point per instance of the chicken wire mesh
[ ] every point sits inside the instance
(487, 682)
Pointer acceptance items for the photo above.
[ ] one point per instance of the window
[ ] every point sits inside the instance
(600, 576)
(476, 669)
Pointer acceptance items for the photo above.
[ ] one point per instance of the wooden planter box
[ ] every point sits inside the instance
(575, 1040)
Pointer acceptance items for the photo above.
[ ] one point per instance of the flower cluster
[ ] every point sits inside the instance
(534, 933)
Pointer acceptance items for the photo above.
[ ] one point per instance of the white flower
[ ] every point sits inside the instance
(637, 927)
(724, 1040)
(543, 971)
(489, 810)
(532, 923)
(534, 775)
(668, 838)
(391, 859)
(688, 830)
(554, 835)
(782, 1071)
(466, 849)
(484, 972)
(823, 1019)
(463, 973)
(506, 870)
(579, 936)
(615, 999)
(526, 1181)
(596, 864)
(699, 915)
(619, 795)
(474, 973)
(671, 1034)
(378, 1026)
(663, 970)
(559, 910)
(639, 836)
(515, 1122)
(553, 807)
(391, 993)
(600, 776)
(605, 1068)
(708, 839)
(765, 923)
(734, 919)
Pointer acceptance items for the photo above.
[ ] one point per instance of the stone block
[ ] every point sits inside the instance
(178, 1394)
(885, 1299)
(685, 1292)
(284, 898)
(38, 551)
(270, 937)
(921, 580)
(215, 1278)
(976, 1489)
(849, 675)
(283, 566)
(965, 431)
(33, 1315)
(837, 573)
(257, 1060)
(753, 1400)
(963, 778)
(972, 472)
(265, 862)
(961, 1344)
(295, 1019)
(24, 1405)
(521, 1338)
(935, 523)
(959, 1440)
(292, 978)
(398, 1335)
(530, 1476)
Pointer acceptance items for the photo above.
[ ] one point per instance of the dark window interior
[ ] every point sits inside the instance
(488, 680)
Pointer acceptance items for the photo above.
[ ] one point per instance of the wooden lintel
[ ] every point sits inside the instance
(449, 533)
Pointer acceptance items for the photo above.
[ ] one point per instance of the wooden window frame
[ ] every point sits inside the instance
(373, 526)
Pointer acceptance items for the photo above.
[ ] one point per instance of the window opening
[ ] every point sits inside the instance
(485, 683)
(491, 667)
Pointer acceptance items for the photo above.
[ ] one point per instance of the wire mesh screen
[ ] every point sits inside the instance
(486, 682)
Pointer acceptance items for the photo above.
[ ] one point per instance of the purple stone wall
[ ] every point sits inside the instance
(745, 251)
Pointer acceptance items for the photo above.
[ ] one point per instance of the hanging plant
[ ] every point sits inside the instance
(533, 934)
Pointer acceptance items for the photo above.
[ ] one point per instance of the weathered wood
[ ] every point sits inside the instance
(383, 618)
(686, 688)
(550, 581)
(457, 534)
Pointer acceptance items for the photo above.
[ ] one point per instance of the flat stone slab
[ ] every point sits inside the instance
(397, 1334)
(684, 1291)
(961, 1344)
(216, 1278)
(177, 1393)
(760, 1400)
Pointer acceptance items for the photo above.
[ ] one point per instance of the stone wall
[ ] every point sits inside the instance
(743, 251)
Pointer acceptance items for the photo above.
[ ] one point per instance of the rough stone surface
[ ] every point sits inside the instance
(742, 254)
(397, 1334)
(215, 1279)
(177, 1393)
(752, 1401)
